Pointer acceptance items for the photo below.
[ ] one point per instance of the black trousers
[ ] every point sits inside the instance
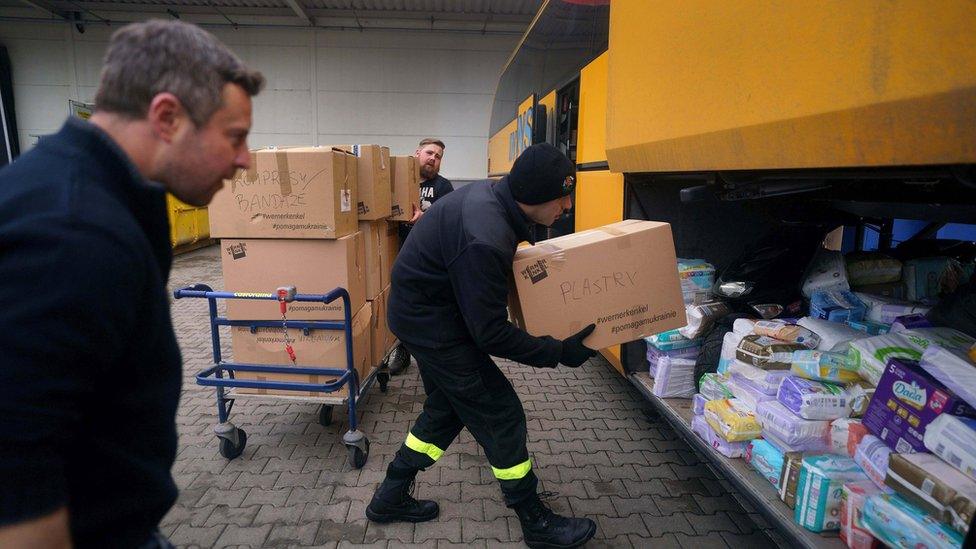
(465, 388)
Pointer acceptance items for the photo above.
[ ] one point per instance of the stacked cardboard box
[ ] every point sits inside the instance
(293, 219)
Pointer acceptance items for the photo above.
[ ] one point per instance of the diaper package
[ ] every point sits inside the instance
(748, 395)
(671, 340)
(730, 343)
(907, 400)
(894, 290)
(698, 404)
(869, 327)
(702, 317)
(703, 429)
(813, 399)
(910, 322)
(766, 460)
(935, 487)
(766, 381)
(819, 489)
(897, 523)
(836, 306)
(827, 271)
(675, 378)
(852, 530)
(766, 353)
(783, 424)
(845, 435)
(790, 478)
(824, 366)
(697, 277)
(870, 354)
(743, 326)
(872, 455)
(834, 336)
(731, 420)
(865, 268)
(953, 439)
(886, 309)
(927, 277)
(790, 333)
(807, 446)
(653, 353)
(953, 368)
(713, 386)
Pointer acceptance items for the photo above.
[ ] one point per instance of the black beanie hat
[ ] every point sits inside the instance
(540, 174)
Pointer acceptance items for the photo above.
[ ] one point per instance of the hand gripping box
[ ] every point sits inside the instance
(305, 192)
(620, 277)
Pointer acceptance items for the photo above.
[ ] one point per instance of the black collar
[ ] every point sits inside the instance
(87, 138)
(516, 217)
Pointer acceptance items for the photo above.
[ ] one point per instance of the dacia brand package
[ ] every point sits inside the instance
(824, 366)
(907, 400)
(852, 530)
(697, 277)
(819, 490)
(731, 420)
(783, 424)
(766, 460)
(813, 399)
(303, 192)
(897, 523)
(953, 439)
(620, 277)
(791, 333)
(834, 336)
(872, 455)
(836, 306)
(704, 430)
(766, 353)
(934, 486)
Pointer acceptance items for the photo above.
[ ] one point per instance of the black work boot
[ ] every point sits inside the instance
(393, 502)
(543, 528)
(400, 360)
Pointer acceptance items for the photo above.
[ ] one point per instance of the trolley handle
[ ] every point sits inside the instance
(204, 291)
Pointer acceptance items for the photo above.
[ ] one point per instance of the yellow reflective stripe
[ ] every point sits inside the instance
(513, 473)
(426, 448)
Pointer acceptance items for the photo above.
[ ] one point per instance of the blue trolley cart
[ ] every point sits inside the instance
(222, 374)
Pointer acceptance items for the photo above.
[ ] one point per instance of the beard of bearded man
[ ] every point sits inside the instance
(427, 172)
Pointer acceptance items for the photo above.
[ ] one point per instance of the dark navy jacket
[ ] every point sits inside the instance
(450, 280)
(90, 371)
(431, 190)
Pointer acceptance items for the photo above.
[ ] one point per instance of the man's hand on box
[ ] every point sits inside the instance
(574, 353)
(417, 212)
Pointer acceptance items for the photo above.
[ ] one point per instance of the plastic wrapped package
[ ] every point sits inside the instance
(788, 480)
(786, 426)
(953, 368)
(704, 430)
(731, 420)
(790, 333)
(953, 439)
(766, 353)
(852, 530)
(861, 394)
(653, 353)
(675, 378)
(928, 277)
(935, 487)
(865, 268)
(766, 460)
(743, 326)
(827, 271)
(824, 366)
(730, 343)
(871, 354)
(836, 306)
(766, 381)
(845, 435)
(886, 309)
(894, 290)
(702, 317)
(819, 489)
(814, 399)
(671, 340)
(697, 277)
(910, 322)
(807, 447)
(872, 455)
(748, 395)
(834, 336)
(714, 386)
(869, 327)
(897, 523)
(698, 404)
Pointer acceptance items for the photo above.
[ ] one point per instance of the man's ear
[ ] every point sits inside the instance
(416, 153)
(166, 114)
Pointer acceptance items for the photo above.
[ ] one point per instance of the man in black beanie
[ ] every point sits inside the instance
(448, 306)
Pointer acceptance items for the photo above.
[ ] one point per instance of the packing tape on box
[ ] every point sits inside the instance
(284, 177)
(623, 242)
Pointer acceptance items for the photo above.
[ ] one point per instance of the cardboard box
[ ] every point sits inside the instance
(374, 236)
(312, 266)
(390, 249)
(381, 339)
(306, 192)
(373, 182)
(406, 187)
(320, 348)
(621, 277)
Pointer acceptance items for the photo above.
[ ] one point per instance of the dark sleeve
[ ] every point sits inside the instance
(69, 294)
(479, 277)
(444, 186)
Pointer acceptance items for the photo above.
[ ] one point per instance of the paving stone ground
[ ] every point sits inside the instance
(594, 441)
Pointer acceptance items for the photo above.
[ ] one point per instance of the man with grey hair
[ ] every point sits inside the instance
(91, 372)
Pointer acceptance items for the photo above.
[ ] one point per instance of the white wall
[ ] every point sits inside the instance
(324, 86)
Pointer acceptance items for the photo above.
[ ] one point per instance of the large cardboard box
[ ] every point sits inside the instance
(320, 348)
(374, 236)
(305, 192)
(373, 182)
(390, 249)
(621, 277)
(406, 187)
(312, 266)
(381, 339)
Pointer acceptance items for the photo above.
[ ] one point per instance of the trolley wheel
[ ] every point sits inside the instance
(383, 378)
(357, 455)
(325, 415)
(227, 448)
